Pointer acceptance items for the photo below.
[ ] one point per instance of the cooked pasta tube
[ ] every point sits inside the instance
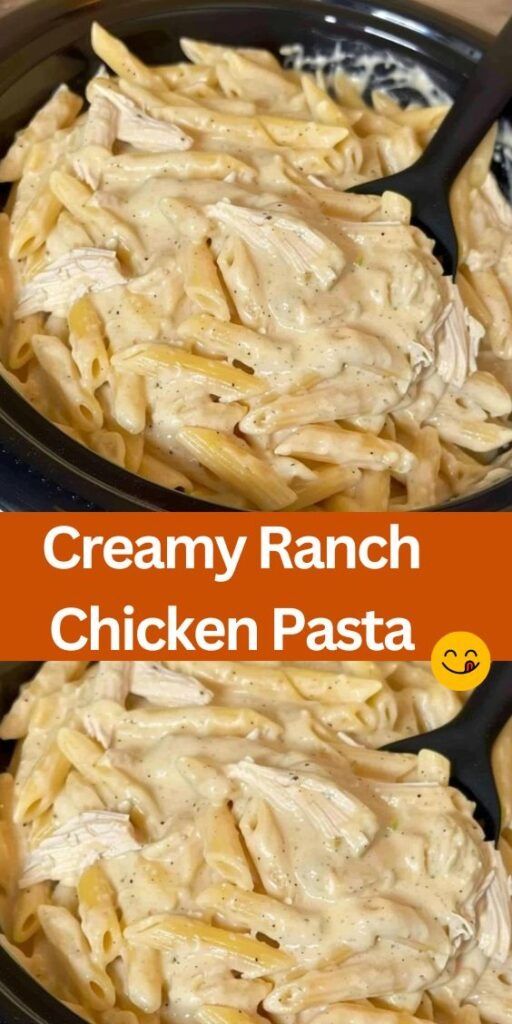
(238, 467)
(144, 978)
(61, 110)
(63, 932)
(223, 849)
(35, 225)
(113, 52)
(326, 483)
(26, 921)
(234, 342)
(87, 344)
(98, 917)
(55, 358)
(41, 787)
(165, 931)
(150, 359)
(348, 447)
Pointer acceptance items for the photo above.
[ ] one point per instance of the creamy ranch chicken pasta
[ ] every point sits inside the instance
(220, 843)
(190, 291)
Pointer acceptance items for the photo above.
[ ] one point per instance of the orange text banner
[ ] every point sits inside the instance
(252, 586)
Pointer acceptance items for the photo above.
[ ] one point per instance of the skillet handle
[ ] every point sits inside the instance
(467, 742)
(477, 106)
(472, 733)
(490, 706)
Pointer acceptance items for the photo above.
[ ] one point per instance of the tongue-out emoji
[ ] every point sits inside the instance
(460, 660)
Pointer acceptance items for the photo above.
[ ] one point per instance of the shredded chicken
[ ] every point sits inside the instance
(164, 687)
(307, 252)
(137, 128)
(334, 812)
(64, 855)
(61, 283)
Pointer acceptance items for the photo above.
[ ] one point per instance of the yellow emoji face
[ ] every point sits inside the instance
(460, 661)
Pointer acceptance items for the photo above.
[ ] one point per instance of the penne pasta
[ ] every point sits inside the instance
(223, 849)
(20, 342)
(224, 1015)
(63, 932)
(106, 228)
(55, 359)
(164, 932)
(60, 110)
(41, 787)
(202, 284)
(6, 287)
(98, 916)
(238, 467)
(117, 56)
(151, 359)
(26, 921)
(34, 227)
(87, 344)
(143, 978)
(232, 341)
